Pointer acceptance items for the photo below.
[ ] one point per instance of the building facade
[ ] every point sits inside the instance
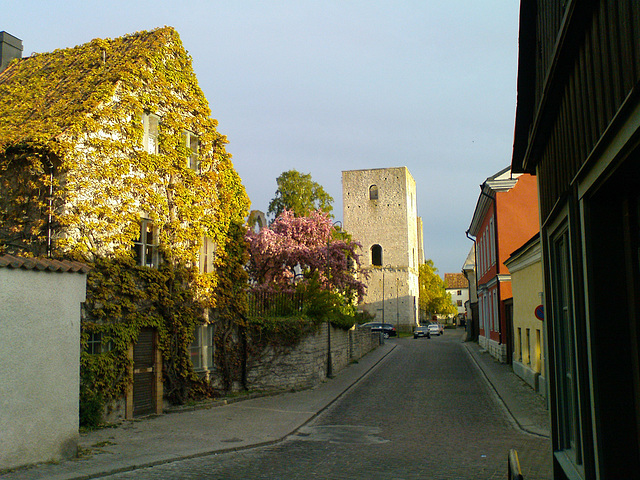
(123, 163)
(380, 212)
(456, 285)
(471, 305)
(506, 215)
(525, 266)
(578, 130)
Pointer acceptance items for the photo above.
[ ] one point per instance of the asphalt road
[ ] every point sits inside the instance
(424, 413)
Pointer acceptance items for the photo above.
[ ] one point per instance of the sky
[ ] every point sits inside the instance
(331, 85)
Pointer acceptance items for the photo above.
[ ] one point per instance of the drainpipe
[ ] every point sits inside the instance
(50, 200)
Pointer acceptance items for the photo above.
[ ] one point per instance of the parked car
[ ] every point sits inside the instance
(421, 332)
(435, 329)
(387, 329)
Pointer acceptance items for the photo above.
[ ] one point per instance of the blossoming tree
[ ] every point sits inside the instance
(297, 249)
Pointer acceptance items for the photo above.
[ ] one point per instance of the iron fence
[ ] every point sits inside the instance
(274, 304)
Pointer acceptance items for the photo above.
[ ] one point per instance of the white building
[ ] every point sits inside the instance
(457, 286)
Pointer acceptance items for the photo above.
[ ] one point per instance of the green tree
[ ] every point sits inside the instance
(434, 299)
(298, 193)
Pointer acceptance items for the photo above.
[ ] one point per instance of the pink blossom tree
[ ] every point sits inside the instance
(296, 249)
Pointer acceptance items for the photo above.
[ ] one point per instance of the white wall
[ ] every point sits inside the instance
(39, 365)
(463, 297)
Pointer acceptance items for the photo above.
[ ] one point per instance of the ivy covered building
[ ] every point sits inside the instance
(108, 151)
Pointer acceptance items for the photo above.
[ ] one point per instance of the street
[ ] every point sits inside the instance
(425, 412)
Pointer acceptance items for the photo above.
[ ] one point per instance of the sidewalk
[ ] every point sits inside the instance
(526, 407)
(259, 421)
(198, 432)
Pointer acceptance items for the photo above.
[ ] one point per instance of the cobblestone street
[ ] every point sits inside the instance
(425, 412)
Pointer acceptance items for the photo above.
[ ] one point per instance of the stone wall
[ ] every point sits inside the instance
(495, 349)
(306, 364)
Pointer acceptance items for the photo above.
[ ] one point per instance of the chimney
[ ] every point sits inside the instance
(10, 48)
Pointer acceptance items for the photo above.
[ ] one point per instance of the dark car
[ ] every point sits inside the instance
(421, 332)
(387, 329)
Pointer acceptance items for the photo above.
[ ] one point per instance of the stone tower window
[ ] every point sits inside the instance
(376, 255)
(373, 192)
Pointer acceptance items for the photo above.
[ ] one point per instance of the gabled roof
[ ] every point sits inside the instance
(470, 262)
(43, 95)
(42, 264)
(455, 281)
(502, 181)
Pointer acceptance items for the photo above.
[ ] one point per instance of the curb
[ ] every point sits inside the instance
(501, 400)
(220, 403)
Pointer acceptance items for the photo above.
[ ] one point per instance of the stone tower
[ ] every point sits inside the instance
(380, 212)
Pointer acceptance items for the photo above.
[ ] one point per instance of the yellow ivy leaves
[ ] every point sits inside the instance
(83, 107)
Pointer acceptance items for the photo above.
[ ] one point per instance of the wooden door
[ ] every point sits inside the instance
(144, 375)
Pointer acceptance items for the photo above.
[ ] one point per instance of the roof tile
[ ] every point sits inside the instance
(455, 280)
(43, 264)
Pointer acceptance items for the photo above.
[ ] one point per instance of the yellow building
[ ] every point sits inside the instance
(525, 267)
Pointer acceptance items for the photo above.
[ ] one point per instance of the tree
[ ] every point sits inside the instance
(299, 249)
(299, 194)
(433, 297)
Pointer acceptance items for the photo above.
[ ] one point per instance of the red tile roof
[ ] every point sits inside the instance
(43, 264)
(455, 280)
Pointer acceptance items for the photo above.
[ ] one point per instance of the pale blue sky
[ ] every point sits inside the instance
(325, 86)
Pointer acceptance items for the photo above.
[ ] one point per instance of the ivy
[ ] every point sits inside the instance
(75, 179)
(77, 113)
(123, 298)
(231, 328)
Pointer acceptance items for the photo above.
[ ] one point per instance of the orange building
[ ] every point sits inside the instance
(505, 217)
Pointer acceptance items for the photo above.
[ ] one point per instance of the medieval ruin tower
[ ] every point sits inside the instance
(380, 212)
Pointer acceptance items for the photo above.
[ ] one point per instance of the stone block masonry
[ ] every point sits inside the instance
(380, 212)
(306, 364)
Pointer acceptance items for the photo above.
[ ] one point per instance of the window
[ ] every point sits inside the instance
(459, 303)
(95, 344)
(492, 242)
(373, 192)
(520, 344)
(376, 255)
(565, 353)
(207, 255)
(496, 316)
(202, 348)
(538, 353)
(487, 262)
(485, 316)
(192, 142)
(146, 246)
(483, 263)
(459, 292)
(492, 321)
(150, 123)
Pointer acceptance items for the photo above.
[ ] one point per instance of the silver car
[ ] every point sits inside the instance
(434, 329)
(421, 332)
